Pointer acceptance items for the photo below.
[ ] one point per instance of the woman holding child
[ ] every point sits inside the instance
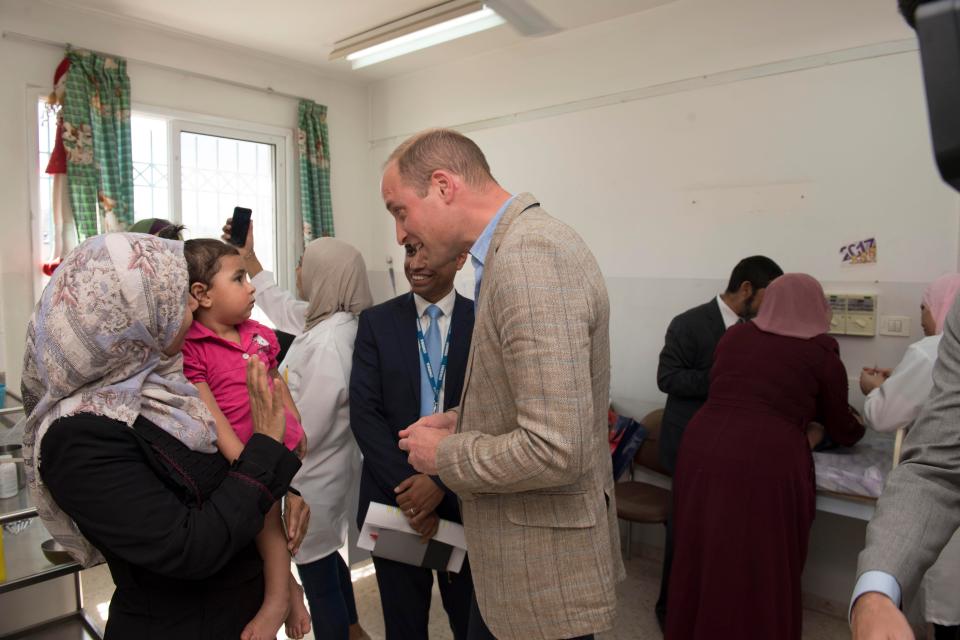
(120, 449)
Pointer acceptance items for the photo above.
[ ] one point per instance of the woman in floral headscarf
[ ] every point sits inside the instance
(120, 452)
(893, 400)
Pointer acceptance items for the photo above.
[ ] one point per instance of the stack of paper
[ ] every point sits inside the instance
(387, 534)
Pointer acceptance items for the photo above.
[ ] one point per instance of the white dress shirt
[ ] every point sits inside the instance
(897, 402)
(318, 368)
(446, 304)
(730, 317)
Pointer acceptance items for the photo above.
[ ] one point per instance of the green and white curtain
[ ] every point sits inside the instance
(96, 136)
(316, 205)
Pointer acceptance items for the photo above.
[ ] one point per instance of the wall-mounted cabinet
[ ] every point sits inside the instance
(854, 314)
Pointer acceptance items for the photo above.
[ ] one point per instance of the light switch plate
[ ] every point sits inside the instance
(898, 326)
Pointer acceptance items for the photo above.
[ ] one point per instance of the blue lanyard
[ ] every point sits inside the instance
(435, 383)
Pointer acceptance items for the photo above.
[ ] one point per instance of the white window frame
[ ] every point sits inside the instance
(35, 94)
(288, 234)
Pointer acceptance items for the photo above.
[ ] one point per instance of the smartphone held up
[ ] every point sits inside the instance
(239, 225)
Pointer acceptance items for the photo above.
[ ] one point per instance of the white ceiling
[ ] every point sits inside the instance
(305, 30)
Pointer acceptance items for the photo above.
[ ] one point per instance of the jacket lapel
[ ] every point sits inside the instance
(460, 333)
(405, 320)
(716, 320)
(521, 203)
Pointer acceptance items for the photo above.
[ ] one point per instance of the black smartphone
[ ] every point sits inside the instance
(239, 225)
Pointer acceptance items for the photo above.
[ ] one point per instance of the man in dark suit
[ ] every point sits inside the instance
(391, 387)
(685, 363)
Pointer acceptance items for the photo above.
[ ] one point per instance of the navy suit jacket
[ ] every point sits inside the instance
(385, 393)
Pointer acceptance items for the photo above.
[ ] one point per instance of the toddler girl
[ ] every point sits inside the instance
(219, 343)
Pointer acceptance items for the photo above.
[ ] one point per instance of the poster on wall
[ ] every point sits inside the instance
(862, 252)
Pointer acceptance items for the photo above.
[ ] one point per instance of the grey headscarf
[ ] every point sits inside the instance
(334, 278)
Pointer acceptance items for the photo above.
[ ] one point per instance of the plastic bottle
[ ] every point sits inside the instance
(8, 477)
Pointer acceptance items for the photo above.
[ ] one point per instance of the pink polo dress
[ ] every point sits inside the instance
(222, 364)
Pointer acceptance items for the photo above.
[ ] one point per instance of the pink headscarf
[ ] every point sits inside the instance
(794, 306)
(939, 296)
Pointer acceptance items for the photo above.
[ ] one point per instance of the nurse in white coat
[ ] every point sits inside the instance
(893, 400)
(332, 278)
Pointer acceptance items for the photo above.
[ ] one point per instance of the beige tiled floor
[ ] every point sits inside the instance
(635, 618)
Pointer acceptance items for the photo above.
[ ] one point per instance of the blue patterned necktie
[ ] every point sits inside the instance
(435, 353)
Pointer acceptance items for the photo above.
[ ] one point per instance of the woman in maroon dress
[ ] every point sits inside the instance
(744, 485)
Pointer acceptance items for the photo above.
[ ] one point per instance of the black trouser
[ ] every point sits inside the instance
(479, 631)
(405, 594)
(661, 607)
(329, 591)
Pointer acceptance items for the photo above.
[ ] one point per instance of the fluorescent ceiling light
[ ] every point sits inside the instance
(484, 18)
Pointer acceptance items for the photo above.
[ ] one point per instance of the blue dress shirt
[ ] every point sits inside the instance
(478, 252)
(879, 581)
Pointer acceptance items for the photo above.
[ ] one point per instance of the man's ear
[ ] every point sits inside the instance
(462, 259)
(445, 184)
(745, 290)
(199, 291)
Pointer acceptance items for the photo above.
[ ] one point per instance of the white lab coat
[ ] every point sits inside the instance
(897, 402)
(318, 368)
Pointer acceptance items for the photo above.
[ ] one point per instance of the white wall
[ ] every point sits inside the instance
(680, 140)
(671, 191)
(26, 70)
(676, 141)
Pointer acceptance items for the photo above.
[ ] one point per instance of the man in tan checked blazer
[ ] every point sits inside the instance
(526, 451)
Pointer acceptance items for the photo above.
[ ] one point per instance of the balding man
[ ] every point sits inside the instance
(526, 451)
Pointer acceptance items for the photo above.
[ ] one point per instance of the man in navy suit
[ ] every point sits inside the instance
(409, 361)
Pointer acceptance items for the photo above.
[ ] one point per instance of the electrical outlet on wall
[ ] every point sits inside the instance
(898, 326)
(854, 314)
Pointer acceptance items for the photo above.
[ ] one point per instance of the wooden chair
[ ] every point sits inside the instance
(642, 502)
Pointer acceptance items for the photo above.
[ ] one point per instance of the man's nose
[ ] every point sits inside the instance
(418, 261)
(401, 233)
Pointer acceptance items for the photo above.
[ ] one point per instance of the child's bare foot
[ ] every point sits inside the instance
(298, 620)
(357, 632)
(266, 623)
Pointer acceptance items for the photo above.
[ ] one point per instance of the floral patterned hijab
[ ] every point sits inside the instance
(95, 345)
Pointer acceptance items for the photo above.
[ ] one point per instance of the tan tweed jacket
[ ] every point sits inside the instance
(531, 463)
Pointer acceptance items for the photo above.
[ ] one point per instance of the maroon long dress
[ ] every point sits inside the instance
(744, 486)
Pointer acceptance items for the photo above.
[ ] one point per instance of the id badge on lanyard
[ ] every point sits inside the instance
(436, 382)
